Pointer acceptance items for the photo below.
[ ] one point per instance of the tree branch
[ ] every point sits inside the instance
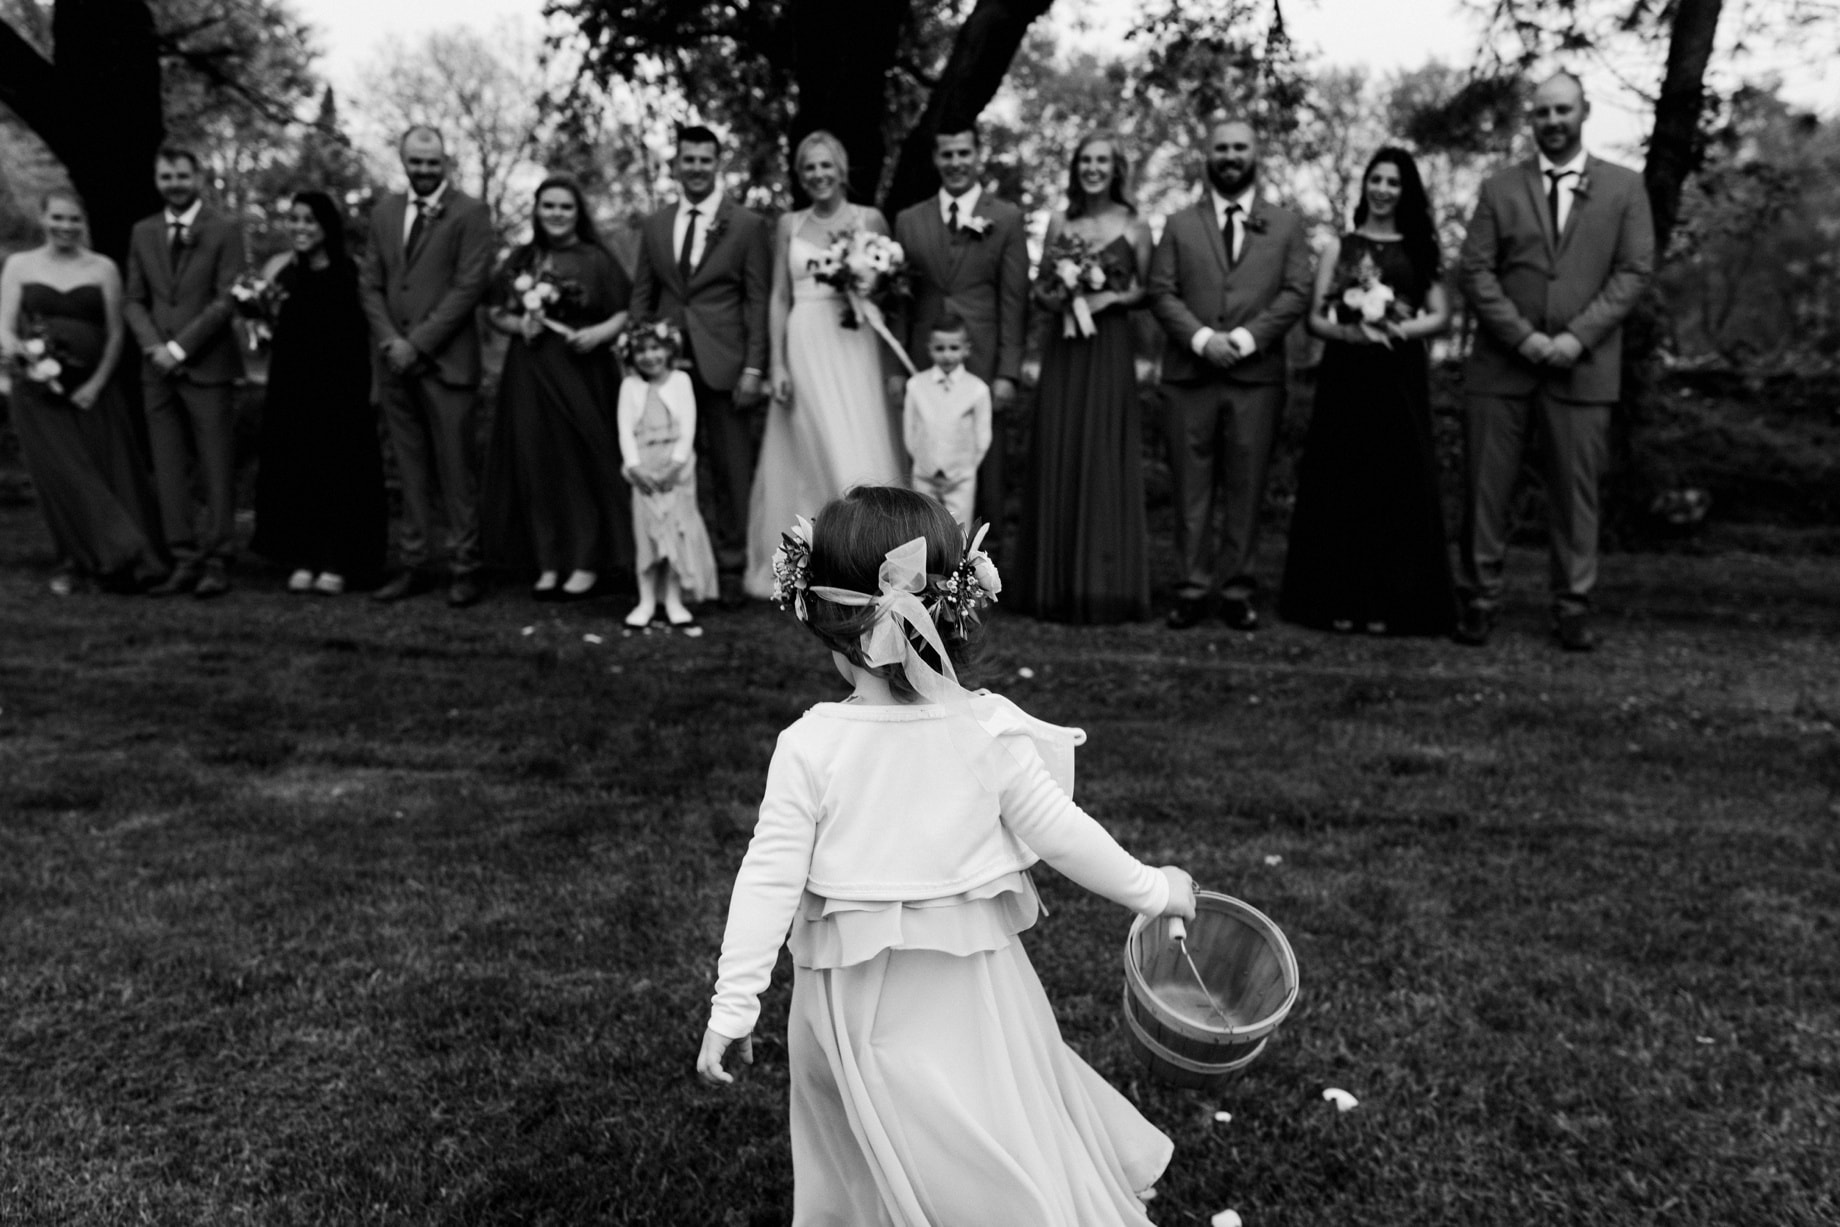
(29, 84)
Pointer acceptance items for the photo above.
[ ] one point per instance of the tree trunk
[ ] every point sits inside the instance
(981, 55)
(1674, 148)
(96, 106)
(842, 51)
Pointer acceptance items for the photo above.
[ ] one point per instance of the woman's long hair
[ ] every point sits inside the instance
(1413, 212)
(1121, 171)
(331, 221)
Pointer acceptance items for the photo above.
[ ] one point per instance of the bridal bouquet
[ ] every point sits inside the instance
(42, 359)
(869, 272)
(257, 301)
(538, 292)
(1070, 270)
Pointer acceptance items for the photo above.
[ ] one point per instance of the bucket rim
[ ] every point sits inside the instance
(1137, 986)
(1189, 1065)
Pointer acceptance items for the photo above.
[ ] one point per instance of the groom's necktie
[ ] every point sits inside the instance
(683, 253)
(416, 226)
(174, 240)
(1553, 179)
(952, 218)
(1230, 232)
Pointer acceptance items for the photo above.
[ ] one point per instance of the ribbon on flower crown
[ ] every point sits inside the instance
(902, 579)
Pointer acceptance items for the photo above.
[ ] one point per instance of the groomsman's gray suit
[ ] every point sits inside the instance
(984, 280)
(1223, 422)
(722, 309)
(185, 299)
(1520, 278)
(429, 296)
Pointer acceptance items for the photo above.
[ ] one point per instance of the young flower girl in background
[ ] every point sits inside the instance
(929, 1081)
(657, 425)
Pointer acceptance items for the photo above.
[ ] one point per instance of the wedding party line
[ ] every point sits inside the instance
(667, 421)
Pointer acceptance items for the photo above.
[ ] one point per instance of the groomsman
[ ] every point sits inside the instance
(1557, 253)
(1228, 279)
(425, 270)
(182, 262)
(969, 255)
(705, 264)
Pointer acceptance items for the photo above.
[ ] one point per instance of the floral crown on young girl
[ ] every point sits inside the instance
(662, 331)
(953, 601)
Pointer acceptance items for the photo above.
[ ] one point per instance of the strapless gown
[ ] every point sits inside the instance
(836, 432)
(86, 465)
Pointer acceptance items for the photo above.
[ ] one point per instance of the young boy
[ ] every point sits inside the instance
(946, 421)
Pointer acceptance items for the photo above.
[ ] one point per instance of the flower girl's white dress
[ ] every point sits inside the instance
(930, 1084)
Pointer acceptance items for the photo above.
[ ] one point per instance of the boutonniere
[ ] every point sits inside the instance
(1256, 223)
(717, 226)
(1583, 186)
(185, 238)
(431, 210)
(976, 223)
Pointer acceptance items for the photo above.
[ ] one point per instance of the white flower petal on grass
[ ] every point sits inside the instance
(1223, 1118)
(1274, 859)
(592, 638)
(693, 632)
(1342, 1100)
(1227, 1218)
(1025, 672)
(528, 630)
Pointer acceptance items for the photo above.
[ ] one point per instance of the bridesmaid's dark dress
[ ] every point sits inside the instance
(1367, 542)
(553, 497)
(320, 502)
(86, 465)
(1085, 547)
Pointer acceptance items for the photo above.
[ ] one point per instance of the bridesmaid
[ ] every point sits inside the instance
(320, 506)
(1085, 548)
(74, 426)
(1368, 549)
(553, 494)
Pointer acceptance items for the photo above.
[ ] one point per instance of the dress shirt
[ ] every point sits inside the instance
(967, 204)
(1239, 338)
(433, 198)
(185, 221)
(945, 421)
(1568, 186)
(705, 209)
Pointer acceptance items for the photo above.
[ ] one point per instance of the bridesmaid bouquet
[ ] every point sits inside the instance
(1070, 270)
(537, 292)
(870, 273)
(257, 301)
(42, 360)
(1366, 298)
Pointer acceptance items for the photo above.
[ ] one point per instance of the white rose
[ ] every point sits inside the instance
(986, 572)
(524, 283)
(1068, 272)
(47, 369)
(35, 347)
(1095, 277)
(533, 300)
(1353, 297)
(896, 253)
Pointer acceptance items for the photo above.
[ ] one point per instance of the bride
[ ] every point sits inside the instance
(828, 427)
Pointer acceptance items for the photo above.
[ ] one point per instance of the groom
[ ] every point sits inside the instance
(423, 275)
(1228, 279)
(1559, 249)
(969, 256)
(182, 262)
(704, 264)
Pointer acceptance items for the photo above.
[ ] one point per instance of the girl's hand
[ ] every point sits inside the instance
(709, 1060)
(1031, 372)
(635, 479)
(1181, 892)
(782, 389)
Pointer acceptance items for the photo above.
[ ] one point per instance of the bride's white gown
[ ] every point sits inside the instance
(835, 432)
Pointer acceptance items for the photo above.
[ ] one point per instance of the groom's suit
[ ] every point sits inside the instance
(183, 297)
(429, 295)
(984, 280)
(722, 309)
(1222, 422)
(1520, 278)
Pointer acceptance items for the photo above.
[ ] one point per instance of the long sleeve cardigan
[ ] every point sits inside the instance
(874, 803)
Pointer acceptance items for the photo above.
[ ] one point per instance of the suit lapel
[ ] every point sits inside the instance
(1217, 241)
(1536, 193)
(1578, 202)
(718, 230)
(163, 254)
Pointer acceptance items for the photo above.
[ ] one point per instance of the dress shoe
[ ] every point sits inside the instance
(464, 591)
(214, 582)
(329, 583)
(405, 584)
(1186, 613)
(1237, 612)
(1572, 628)
(1475, 625)
(300, 581)
(184, 578)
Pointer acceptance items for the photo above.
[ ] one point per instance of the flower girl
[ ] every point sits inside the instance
(657, 424)
(930, 1084)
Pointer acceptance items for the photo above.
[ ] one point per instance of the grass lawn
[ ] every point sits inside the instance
(313, 912)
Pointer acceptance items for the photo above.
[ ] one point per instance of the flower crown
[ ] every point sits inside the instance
(955, 599)
(662, 331)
